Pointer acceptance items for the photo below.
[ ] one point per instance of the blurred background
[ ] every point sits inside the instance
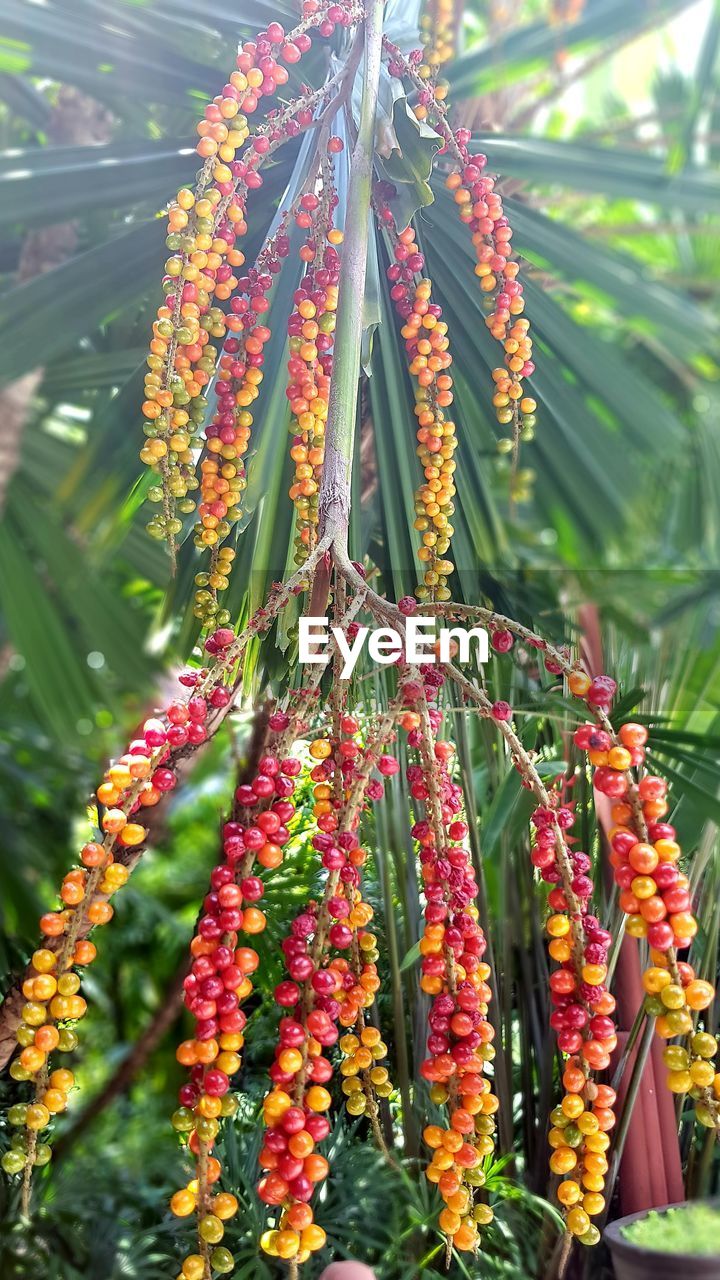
(603, 119)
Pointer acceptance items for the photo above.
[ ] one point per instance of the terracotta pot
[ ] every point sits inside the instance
(637, 1262)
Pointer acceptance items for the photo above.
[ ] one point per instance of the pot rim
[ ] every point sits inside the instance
(628, 1248)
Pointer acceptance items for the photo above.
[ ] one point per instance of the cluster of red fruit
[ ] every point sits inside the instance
(219, 981)
(454, 974)
(427, 346)
(321, 990)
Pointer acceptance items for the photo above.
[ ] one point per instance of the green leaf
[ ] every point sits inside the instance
(99, 618)
(406, 151)
(61, 693)
(624, 175)
(525, 51)
(74, 181)
(509, 812)
(577, 257)
(45, 317)
(95, 55)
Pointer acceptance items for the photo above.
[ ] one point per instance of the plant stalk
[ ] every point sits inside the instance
(334, 497)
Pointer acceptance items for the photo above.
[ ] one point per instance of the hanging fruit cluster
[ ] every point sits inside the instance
(454, 974)
(323, 989)
(480, 207)
(237, 386)
(427, 346)
(310, 330)
(331, 952)
(219, 982)
(51, 988)
(582, 1004)
(51, 1003)
(654, 892)
(204, 225)
(581, 1019)
(437, 33)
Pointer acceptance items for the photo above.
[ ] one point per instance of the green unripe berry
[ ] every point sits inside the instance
(13, 1162)
(704, 1044)
(222, 1261)
(183, 1120)
(591, 1236)
(211, 1229)
(704, 1115)
(207, 1130)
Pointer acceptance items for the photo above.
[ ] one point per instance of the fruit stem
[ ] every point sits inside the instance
(334, 497)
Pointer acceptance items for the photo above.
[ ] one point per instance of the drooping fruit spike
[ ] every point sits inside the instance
(427, 346)
(654, 892)
(138, 780)
(581, 1019)
(480, 207)
(455, 975)
(326, 987)
(437, 33)
(203, 227)
(240, 376)
(310, 329)
(219, 981)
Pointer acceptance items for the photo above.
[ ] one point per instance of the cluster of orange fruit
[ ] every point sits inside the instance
(136, 781)
(480, 207)
(582, 1008)
(655, 895)
(427, 345)
(204, 226)
(437, 34)
(454, 975)
(310, 330)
